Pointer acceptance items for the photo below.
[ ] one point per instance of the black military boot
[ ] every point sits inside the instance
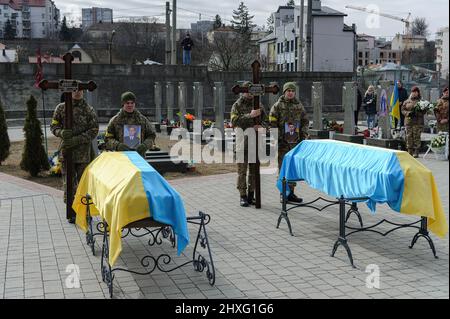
(294, 199)
(244, 201)
(251, 198)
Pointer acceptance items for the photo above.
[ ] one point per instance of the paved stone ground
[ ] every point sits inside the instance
(252, 258)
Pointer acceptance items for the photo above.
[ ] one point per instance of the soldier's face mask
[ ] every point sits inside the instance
(129, 106)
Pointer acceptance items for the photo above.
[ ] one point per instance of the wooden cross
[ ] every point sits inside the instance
(256, 89)
(68, 85)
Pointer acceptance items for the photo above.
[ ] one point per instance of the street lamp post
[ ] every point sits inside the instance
(110, 46)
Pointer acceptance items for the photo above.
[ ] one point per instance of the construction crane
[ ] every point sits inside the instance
(406, 20)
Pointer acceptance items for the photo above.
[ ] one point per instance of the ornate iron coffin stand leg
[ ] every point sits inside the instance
(342, 240)
(423, 232)
(107, 275)
(90, 235)
(151, 263)
(90, 240)
(284, 214)
(284, 210)
(354, 210)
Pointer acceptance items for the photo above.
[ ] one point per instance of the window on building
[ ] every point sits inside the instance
(6, 15)
(292, 66)
(278, 48)
(0, 11)
(360, 54)
(367, 55)
(5, 6)
(43, 16)
(382, 55)
(360, 62)
(292, 46)
(43, 24)
(296, 65)
(394, 55)
(282, 47)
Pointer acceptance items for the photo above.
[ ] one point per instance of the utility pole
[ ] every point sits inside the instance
(174, 32)
(168, 50)
(355, 53)
(309, 36)
(300, 40)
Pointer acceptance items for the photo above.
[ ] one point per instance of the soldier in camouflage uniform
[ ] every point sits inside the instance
(243, 116)
(441, 112)
(288, 111)
(129, 115)
(78, 139)
(414, 122)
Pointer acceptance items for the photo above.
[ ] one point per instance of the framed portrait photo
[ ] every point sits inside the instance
(291, 133)
(132, 135)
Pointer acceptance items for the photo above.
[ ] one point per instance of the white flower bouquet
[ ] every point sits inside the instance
(438, 142)
(423, 107)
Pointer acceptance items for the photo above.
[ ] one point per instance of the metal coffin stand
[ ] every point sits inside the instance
(157, 232)
(344, 217)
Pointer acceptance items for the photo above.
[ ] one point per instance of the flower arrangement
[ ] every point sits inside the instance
(334, 126)
(207, 123)
(189, 117)
(438, 141)
(101, 141)
(423, 107)
(55, 165)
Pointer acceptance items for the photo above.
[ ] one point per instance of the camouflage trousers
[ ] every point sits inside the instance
(281, 152)
(242, 177)
(78, 170)
(413, 141)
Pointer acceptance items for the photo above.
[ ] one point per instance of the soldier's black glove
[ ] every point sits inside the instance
(122, 147)
(141, 149)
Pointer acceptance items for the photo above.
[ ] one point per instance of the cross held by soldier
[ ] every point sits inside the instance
(77, 140)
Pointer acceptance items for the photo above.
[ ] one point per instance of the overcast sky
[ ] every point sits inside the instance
(435, 11)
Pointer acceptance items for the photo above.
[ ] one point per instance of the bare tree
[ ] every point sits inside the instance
(137, 41)
(231, 51)
(420, 27)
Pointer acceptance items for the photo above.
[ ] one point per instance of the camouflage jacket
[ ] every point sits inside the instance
(115, 130)
(240, 117)
(85, 124)
(441, 110)
(412, 118)
(288, 111)
(240, 114)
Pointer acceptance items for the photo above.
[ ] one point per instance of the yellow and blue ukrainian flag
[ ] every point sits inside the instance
(124, 188)
(395, 103)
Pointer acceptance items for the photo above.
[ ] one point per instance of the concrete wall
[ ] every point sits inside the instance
(16, 85)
